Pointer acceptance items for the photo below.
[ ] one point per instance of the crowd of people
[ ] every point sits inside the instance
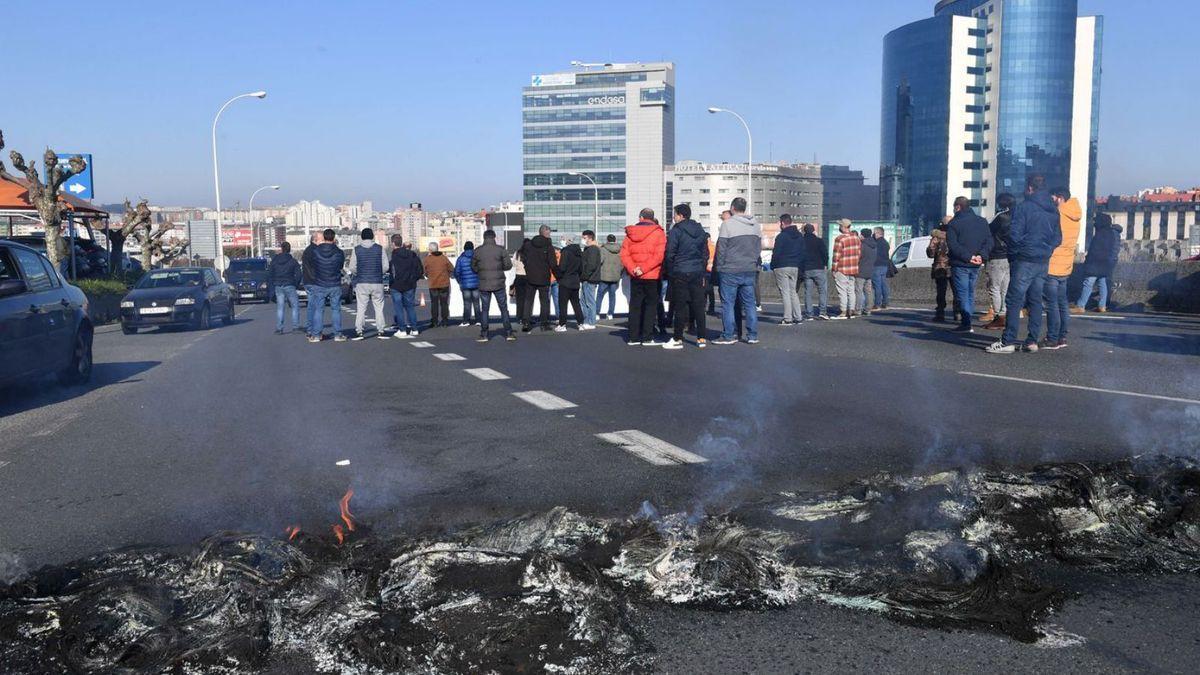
(675, 276)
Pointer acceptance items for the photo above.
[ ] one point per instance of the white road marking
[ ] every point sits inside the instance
(342, 462)
(450, 357)
(55, 427)
(1097, 315)
(4, 464)
(544, 400)
(653, 450)
(421, 345)
(1083, 388)
(486, 374)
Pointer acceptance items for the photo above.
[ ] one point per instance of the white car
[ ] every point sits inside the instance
(911, 253)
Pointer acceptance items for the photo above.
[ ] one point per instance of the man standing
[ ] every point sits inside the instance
(568, 271)
(997, 264)
(787, 259)
(519, 287)
(969, 239)
(816, 275)
(1033, 236)
(490, 262)
(438, 270)
(739, 257)
(610, 275)
(308, 268)
(686, 263)
(847, 248)
(284, 274)
(468, 283)
(407, 270)
(590, 278)
(1062, 261)
(369, 265)
(642, 257)
(1101, 261)
(866, 270)
(939, 253)
(328, 261)
(879, 275)
(538, 256)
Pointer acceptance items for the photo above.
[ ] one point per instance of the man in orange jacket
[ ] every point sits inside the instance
(642, 255)
(1062, 261)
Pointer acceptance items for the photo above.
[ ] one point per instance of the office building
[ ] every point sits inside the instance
(608, 124)
(412, 222)
(810, 193)
(981, 94)
(312, 215)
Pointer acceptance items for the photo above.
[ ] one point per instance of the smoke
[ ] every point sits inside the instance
(11, 568)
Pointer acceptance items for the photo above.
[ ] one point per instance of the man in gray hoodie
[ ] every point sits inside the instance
(738, 257)
(610, 275)
(368, 267)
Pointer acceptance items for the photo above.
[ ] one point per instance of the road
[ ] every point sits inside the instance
(185, 433)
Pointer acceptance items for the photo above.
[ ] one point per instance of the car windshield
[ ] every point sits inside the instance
(247, 266)
(170, 278)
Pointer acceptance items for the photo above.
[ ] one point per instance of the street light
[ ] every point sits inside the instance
(595, 202)
(252, 239)
(217, 175)
(749, 157)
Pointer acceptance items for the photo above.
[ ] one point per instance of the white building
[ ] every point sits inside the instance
(596, 142)
(312, 216)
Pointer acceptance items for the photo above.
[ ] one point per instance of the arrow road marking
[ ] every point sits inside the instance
(421, 345)
(486, 374)
(450, 357)
(544, 400)
(653, 450)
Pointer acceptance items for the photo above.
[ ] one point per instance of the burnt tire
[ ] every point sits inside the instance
(79, 370)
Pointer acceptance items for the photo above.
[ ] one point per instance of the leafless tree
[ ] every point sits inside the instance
(44, 196)
(135, 220)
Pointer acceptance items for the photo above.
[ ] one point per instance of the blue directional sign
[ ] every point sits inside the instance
(79, 185)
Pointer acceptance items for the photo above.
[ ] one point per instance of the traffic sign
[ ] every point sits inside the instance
(79, 185)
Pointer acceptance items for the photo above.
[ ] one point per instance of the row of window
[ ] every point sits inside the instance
(608, 78)
(608, 98)
(579, 115)
(573, 130)
(757, 190)
(975, 166)
(572, 210)
(974, 184)
(977, 127)
(601, 178)
(976, 147)
(588, 195)
(570, 163)
(571, 147)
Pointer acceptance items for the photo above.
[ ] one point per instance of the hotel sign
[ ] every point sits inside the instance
(553, 80)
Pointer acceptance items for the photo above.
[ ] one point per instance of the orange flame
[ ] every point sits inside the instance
(337, 532)
(292, 531)
(344, 506)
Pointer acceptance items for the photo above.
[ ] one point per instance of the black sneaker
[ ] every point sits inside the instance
(358, 336)
(963, 329)
(481, 338)
(1053, 346)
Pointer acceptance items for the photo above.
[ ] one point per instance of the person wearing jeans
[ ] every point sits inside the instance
(404, 311)
(879, 274)
(816, 276)
(490, 262)
(317, 296)
(1033, 236)
(610, 275)
(590, 276)
(407, 270)
(291, 296)
(1058, 311)
(1062, 262)
(1089, 283)
(969, 239)
(739, 251)
(327, 263)
(285, 274)
(468, 284)
(1101, 262)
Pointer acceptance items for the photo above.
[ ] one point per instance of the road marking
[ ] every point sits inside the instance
(544, 400)
(486, 374)
(421, 345)
(4, 464)
(1104, 317)
(1082, 388)
(653, 450)
(342, 462)
(450, 357)
(62, 422)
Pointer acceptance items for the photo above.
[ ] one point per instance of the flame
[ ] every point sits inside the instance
(292, 531)
(337, 532)
(344, 507)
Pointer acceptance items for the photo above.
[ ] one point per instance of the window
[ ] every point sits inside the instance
(210, 278)
(975, 32)
(972, 51)
(54, 278)
(974, 90)
(900, 256)
(8, 269)
(705, 204)
(36, 277)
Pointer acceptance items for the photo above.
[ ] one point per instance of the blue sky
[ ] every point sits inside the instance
(399, 101)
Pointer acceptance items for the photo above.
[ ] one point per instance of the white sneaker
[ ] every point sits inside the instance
(610, 317)
(724, 341)
(560, 329)
(998, 347)
(358, 336)
(464, 324)
(586, 326)
(673, 344)
(406, 335)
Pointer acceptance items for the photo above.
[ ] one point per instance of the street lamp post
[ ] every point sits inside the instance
(595, 201)
(217, 175)
(252, 238)
(749, 157)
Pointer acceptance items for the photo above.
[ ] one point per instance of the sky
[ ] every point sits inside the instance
(406, 101)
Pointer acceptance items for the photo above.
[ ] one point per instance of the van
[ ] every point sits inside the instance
(911, 253)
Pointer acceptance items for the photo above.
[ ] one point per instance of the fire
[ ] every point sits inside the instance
(344, 506)
(292, 531)
(337, 532)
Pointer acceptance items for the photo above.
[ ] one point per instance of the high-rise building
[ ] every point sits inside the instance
(981, 94)
(412, 222)
(611, 124)
(312, 216)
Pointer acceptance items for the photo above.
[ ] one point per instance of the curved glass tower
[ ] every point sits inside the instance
(981, 94)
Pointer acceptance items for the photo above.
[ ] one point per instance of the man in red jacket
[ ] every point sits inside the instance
(642, 255)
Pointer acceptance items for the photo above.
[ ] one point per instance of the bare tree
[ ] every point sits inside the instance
(45, 196)
(135, 219)
(153, 246)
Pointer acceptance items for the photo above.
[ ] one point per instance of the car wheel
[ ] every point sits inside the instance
(202, 321)
(129, 330)
(228, 320)
(79, 370)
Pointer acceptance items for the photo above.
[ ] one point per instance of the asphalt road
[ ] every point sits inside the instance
(185, 433)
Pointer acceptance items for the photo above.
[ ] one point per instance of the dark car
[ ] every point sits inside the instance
(247, 277)
(44, 324)
(177, 296)
(91, 260)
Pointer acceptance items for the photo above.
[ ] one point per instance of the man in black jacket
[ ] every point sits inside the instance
(997, 263)
(590, 276)
(538, 257)
(970, 241)
(308, 264)
(407, 270)
(686, 263)
(284, 274)
(328, 263)
(816, 276)
(568, 271)
(490, 262)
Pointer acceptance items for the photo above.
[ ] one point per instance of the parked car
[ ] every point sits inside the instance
(91, 260)
(247, 277)
(911, 253)
(44, 324)
(131, 265)
(177, 296)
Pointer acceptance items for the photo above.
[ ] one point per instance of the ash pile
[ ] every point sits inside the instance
(560, 592)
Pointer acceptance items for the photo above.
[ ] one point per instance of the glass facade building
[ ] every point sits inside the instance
(613, 126)
(982, 94)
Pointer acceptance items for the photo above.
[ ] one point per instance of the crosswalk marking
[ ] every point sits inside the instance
(486, 374)
(649, 448)
(450, 357)
(544, 400)
(421, 345)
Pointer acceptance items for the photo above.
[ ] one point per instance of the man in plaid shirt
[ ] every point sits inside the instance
(847, 249)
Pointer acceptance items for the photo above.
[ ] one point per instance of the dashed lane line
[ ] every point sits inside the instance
(421, 345)
(486, 374)
(450, 357)
(653, 450)
(4, 464)
(1079, 387)
(544, 400)
(55, 426)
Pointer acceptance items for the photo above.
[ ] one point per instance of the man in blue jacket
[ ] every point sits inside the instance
(284, 273)
(686, 263)
(328, 261)
(1034, 234)
(970, 240)
(787, 263)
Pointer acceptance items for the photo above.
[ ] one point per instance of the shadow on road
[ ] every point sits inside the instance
(47, 392)
(1187, 344)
